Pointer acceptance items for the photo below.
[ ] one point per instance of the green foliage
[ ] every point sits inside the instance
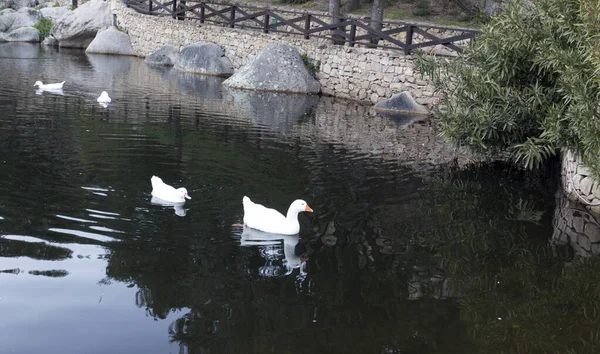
(56, 4)
(44, 26)
(526, 90)
(396, 14)
(422, 8)
(312, 66)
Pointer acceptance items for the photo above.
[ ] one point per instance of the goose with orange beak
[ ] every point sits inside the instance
(265, 219)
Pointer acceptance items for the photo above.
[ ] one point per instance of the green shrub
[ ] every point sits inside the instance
(312, 66)
(44, 26)
(422, 8)
(528, 86)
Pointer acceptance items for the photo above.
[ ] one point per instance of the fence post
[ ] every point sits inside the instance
(181, 16)
(74, 4)
(352, 34)
(409, 38)
(307, 26)
(174, 8)
(232, 17)
(266, 24)
(202, 12)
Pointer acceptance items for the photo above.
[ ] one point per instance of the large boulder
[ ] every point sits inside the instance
(111, 41)
(401, 103)
(23, 34)
(16, 4)
(16, 26)
(166, 55)
(54, 13)
(205, 59)
(10, 19)
(7, 17)
(77, 29)
(277, 68)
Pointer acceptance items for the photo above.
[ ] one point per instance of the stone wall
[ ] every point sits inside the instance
(578, 182)
(575, 226)
(361, 74)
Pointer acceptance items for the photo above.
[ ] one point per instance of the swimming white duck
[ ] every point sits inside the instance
(258, 217)
(104, 98)
(167, 193)
(55, 86)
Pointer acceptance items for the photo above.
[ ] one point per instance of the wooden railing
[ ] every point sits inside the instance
(395, 35)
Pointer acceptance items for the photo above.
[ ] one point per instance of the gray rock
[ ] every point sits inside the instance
(54, 13)
(592, 231)
(204, 58)
(16, 4)
(23, 34)
(111, 41)
(50, 42)
(78, 28)
(402, 102)
(10, 20)
(26, 17)
(166, 55)
(586, 186)
(7, 17)
(277, 68)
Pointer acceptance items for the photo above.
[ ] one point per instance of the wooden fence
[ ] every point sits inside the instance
(395, 35)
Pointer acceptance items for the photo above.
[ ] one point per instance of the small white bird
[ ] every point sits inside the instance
(55, 86)
(259, 217)
(104, 98)
(167, 193)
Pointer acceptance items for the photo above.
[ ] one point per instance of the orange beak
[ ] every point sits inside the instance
(308, 208)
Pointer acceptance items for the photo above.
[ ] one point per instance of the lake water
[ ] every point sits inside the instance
(409, 250)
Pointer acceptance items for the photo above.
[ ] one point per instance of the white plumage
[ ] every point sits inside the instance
(104, 98)
(167, 193)
(55, 86)
(259, 217)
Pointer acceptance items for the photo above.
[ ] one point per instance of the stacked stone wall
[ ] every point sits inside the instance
(362, 74)
(578, 183)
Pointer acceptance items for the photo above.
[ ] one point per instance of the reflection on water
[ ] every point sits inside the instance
(178, 207)
(278, 251)
(275, 111)
(41, 91)
(411, 250)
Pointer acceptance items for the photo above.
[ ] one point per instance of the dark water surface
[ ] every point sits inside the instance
(405, 253)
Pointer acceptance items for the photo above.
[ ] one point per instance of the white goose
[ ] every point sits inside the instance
(163, 191)
(104, 98)
(56, 86)
(258, 217)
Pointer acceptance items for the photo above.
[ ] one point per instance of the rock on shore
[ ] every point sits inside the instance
(277, 68)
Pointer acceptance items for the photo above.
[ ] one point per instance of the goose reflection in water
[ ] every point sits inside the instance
(270, 247)
(41, 91)
(179, 209)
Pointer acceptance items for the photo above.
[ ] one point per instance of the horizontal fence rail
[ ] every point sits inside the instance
(394, 35)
